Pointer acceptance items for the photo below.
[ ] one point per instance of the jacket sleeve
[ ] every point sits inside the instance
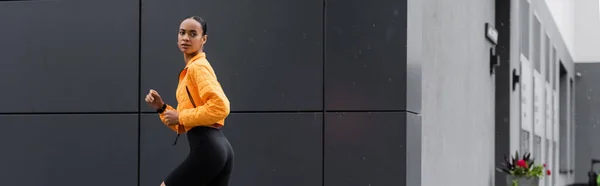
(216, 107)
(162, 118)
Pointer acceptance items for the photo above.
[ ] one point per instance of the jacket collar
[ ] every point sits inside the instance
(196, 57)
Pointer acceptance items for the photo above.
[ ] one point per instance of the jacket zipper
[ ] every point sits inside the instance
(177, 127)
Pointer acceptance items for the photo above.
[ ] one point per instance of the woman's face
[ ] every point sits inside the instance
(190, 39)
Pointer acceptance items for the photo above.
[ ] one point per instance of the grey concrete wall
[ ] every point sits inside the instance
(321, 91)
(414, 76)
(587, 118)
(458, 94)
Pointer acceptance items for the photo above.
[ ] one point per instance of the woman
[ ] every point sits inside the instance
(201, 110)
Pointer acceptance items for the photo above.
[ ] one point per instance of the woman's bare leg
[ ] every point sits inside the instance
(163, 184)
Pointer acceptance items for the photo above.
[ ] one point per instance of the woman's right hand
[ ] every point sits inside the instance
(154, 100)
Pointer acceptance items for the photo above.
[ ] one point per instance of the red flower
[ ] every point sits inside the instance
(521, 163)
(544, 165)
(548, 172)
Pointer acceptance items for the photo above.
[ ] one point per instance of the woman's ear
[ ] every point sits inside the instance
(204, 38)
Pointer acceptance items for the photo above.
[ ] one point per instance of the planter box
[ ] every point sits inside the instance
(522, 181)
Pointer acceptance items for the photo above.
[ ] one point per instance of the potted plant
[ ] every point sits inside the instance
(522, 171)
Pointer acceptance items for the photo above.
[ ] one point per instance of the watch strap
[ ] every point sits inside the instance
(162, 109)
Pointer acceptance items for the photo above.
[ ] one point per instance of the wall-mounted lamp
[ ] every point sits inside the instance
(494, 60)
(516, 78)
(491, 33)
(492, 36)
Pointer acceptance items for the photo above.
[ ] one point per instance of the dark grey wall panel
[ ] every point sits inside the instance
(158, 156)
(365, 149)
(58, 150)
(270, 149)
(69, 56)
(366, 55)
(82, 56)
(267, 53)
(587, 101)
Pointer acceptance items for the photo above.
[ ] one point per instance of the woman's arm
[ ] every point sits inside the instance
(162, 117)
(216, 107)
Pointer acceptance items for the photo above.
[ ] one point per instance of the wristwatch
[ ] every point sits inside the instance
(162, 109)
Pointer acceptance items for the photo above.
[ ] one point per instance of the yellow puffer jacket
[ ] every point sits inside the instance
(212, 106)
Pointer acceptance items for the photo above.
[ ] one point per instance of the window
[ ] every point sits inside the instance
(524, 30)
(571, 127)
(547, 160)
(563, 121)
(536, 58)
(553, 165)
(548, 59)
(555, 77)
(537, 148)
(524, 142)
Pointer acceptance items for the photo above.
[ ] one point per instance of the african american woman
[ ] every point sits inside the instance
(201, 111)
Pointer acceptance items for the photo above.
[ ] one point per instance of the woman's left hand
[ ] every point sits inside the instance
(172, 117)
